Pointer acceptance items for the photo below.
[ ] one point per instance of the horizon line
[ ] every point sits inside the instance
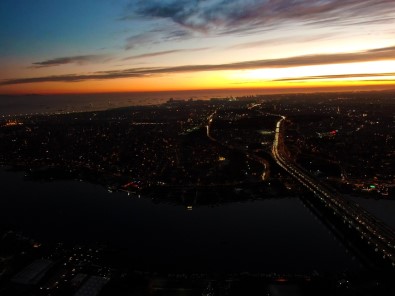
(268, 90)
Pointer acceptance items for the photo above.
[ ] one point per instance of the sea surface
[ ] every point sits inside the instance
(12, 105)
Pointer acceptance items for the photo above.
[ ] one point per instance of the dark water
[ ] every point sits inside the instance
(32, 104)
(383, 209)
(272, 235)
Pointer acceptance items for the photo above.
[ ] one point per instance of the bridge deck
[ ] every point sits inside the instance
(376, 233)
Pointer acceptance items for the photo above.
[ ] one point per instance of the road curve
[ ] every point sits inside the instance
(371, 230)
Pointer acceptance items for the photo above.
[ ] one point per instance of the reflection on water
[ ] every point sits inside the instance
(268, 235)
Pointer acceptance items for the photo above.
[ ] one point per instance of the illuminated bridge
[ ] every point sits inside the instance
(379, 237)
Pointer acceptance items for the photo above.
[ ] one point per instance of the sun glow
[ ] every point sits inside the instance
(352, 70)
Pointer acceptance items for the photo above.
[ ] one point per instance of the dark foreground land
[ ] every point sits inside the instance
(196, 153)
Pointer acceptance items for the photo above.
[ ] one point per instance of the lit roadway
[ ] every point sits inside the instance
(375, 233)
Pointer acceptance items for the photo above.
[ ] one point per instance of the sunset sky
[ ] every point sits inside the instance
(88, 46)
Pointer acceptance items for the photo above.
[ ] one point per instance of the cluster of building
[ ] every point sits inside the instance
(29, 268)
(141, 145)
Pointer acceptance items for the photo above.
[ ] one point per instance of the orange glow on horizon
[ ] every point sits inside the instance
(300, 87)
(258, 79)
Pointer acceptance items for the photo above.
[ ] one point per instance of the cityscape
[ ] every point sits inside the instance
(205, 153)
(203, 148)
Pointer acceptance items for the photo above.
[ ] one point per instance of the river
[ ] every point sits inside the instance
(264, 235)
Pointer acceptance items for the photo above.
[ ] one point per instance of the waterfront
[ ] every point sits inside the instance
(267, 235)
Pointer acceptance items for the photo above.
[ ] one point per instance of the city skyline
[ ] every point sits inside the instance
(138, 46)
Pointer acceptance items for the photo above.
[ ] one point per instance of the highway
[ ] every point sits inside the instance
(376, 234)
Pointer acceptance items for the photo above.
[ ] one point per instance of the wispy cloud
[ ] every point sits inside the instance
(139, 39)
(161, 53)
(282, 40)
(379, 54)
(230, 17)
(156, 36)
(80, 60)
(177, 20)
(339, 76)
